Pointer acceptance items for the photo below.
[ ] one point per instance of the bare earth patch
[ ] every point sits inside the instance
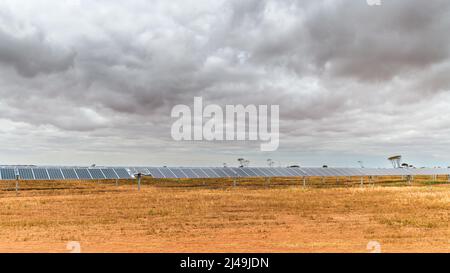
(106, 218)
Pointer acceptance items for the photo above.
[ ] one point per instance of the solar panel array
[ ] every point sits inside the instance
(55, 173)
(226, 172)
(65, 173)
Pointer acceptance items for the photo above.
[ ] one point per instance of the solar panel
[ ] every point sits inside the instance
(220, 172)
(340, 172)
(264, 172)
(40, 174)
(189, 173)
(256, 172)
(326, 172)
(109, 174)
(285, 172)
(313, 172)
(155, 173)
(167, 173)
(276, 172)
(122, 173)
(291, 172)
(69, 173)
(240, 172)
(96, 173)
(55, 174)
(250, 172)
(229, 172)
(26, 174)
(142, 170)
(200, 173)
(8, 174)
(269, 172)
(298, 171)
(83, 174)
(209, 172)
(178, 173)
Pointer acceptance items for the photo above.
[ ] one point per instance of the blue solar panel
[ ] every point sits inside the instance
(200, 173)
(167, 173)
(257, 172)
(289, 172)
(194, 173)
(109, 174)
(8, 174)
(220, 172)
(155, 173)
(268, 171)
(40, 174)
(264, 172)
(276, 172)
(83, 174)
(229, 172)
(55, 174)
(297, 171)
(122, 173)
(142, 170)
(69, 173)
(177, 172)
(250, 172)
(209, 172)
(96, 173)
(25, 174)
(240, 172)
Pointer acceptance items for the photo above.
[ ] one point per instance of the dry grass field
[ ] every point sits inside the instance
(170, 218)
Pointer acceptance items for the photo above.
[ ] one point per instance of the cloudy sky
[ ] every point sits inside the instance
(85, 82)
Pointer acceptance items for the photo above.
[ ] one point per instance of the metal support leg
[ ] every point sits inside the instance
(139, 182)
(17, 185)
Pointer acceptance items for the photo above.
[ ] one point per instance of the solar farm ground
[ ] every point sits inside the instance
(253, 217)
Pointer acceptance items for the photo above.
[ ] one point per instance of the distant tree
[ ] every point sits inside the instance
(246, 163)
(325, 166)
(270, 162)
(241, 162)
(361, 163)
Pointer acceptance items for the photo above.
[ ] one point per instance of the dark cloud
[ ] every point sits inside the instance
(30, 53)
(103, 76)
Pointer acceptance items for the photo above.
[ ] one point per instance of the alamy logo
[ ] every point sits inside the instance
(238, 123)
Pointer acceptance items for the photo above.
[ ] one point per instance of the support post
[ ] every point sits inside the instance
(17, 184)
(304, 181)
(362, 181)
(234, 182)
(117, 182)
(139, 181)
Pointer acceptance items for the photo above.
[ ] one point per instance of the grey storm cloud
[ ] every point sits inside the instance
(31, 54)
(96, 81)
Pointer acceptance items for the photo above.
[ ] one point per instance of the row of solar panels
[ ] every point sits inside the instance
(64, 173)
(224, 172)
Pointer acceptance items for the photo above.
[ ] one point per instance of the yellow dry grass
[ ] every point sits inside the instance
(106, 218)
